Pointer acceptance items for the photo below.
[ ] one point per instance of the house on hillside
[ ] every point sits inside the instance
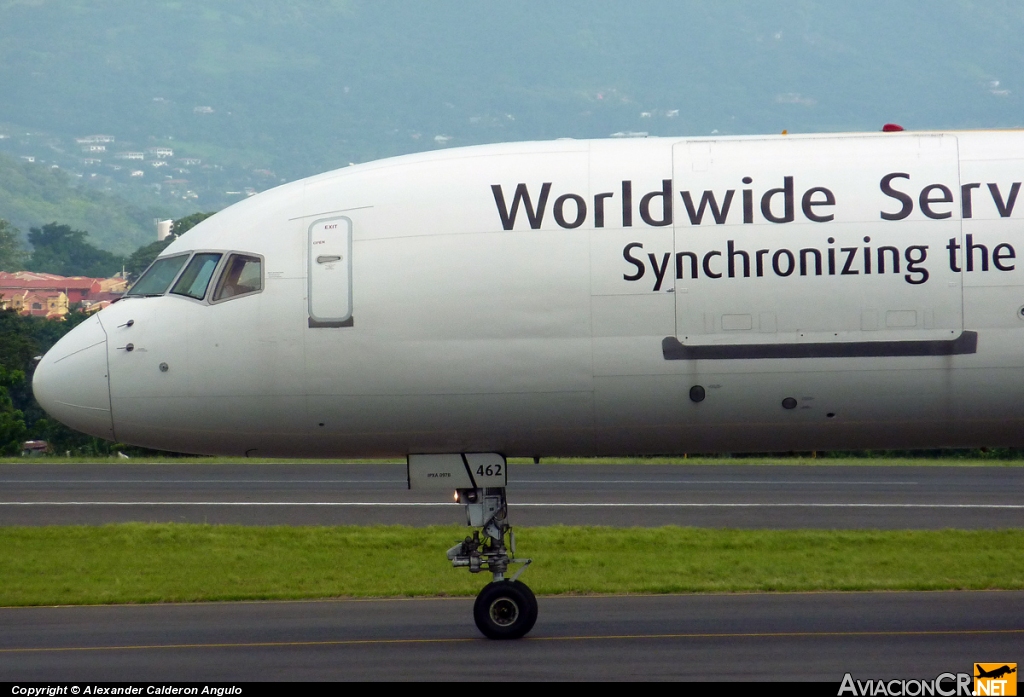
(49, 295)
(51, 305)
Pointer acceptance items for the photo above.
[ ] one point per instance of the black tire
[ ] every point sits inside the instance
(533, 602)
(505, 610)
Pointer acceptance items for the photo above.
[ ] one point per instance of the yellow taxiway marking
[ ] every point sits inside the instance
(607, 637)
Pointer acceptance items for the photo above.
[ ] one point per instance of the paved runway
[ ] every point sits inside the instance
(694, 637)
(742, 496)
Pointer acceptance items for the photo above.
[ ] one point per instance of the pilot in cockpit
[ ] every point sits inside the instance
(241, 276)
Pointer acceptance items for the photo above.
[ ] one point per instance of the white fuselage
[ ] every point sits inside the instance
(566, 298)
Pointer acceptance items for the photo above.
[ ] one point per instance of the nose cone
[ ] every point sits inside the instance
(71, 383)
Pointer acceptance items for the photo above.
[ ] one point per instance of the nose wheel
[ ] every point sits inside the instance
(505, 610)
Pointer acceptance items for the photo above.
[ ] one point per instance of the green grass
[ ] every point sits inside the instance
(145, 563)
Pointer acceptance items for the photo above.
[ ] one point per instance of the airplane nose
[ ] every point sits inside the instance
(71, 381)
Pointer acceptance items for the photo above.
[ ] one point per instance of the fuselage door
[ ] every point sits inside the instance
(330, 273)
(795, 241)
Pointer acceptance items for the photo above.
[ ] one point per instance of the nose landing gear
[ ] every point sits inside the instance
(506, 608)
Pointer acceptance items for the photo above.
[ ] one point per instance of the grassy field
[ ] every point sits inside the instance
(951, 461)
(144, 563)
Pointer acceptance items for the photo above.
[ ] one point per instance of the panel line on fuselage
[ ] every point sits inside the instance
(317, 215)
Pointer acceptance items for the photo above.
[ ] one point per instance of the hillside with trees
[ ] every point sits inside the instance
(201, 103)
(33, 195)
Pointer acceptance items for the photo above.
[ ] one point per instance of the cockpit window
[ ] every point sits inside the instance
(241, 275)
(158, 276)
(194, 281)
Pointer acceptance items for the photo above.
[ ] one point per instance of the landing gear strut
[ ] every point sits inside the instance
(505, 608)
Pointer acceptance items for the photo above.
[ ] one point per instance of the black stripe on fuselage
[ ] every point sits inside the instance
(966, 343)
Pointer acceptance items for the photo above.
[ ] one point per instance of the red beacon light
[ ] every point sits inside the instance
(892, 128)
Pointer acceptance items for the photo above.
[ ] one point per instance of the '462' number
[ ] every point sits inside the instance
(489, 471)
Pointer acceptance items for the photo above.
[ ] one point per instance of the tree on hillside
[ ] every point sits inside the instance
(18, 347)
(142, 257)
(183, 225)
(12, 422)
(59, 249)
(16, 351)
(12, 251)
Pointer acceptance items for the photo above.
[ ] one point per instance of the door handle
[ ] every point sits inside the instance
(327, 259)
